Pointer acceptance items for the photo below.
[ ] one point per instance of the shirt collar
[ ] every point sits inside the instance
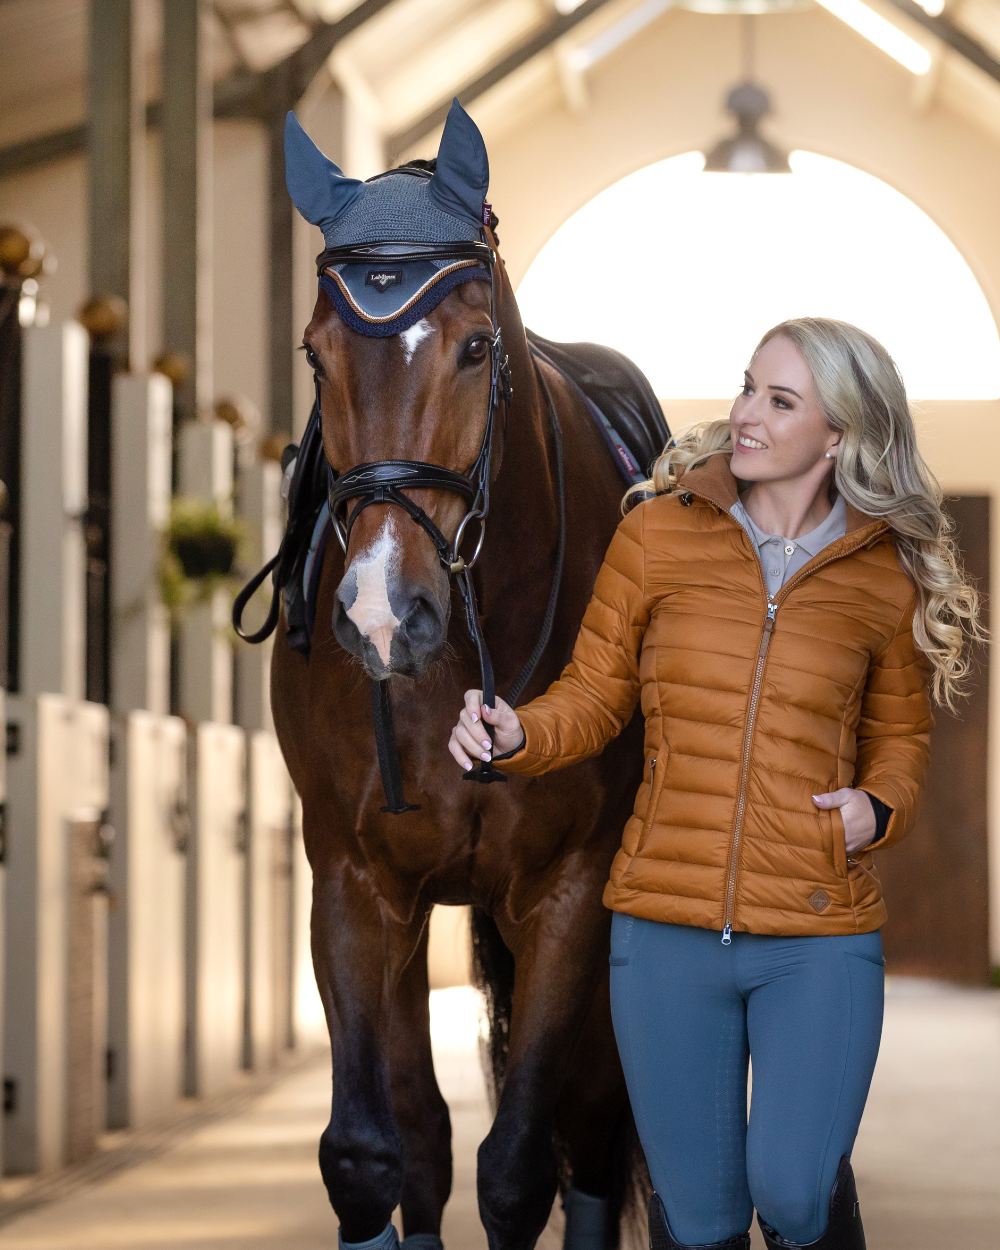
(831, 527)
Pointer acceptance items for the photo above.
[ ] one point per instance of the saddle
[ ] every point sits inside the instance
(617, 395)
(615, 392)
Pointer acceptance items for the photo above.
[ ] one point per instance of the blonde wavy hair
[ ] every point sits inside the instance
(878, 469)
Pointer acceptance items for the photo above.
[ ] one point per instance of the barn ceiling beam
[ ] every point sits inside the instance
(955, 38)
(243, 93)
(537, 42)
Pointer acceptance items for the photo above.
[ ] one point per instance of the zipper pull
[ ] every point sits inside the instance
(765, 633)
(726, 932)
(652, 769)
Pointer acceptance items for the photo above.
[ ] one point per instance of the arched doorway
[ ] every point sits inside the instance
(691, 268)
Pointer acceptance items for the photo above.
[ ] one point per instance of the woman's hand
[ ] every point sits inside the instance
(469, 738)
(856, 809)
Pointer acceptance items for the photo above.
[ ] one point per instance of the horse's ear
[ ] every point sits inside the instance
(462, 171)
(319, 189)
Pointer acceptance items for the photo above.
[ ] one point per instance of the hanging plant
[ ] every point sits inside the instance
(200, 545)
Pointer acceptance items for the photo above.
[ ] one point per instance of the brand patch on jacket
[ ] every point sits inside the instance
(819, 900)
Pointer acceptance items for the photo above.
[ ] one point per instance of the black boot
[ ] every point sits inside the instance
(661, 1238)
(844, 1230)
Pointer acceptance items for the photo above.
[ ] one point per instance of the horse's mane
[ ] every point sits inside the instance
(429, 166)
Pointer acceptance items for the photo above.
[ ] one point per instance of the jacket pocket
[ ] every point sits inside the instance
(838, 835)
(656, 768)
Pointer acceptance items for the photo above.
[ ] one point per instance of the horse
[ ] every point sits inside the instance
(529, 857)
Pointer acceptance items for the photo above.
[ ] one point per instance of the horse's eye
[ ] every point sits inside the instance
(477, 348)
(311, 356)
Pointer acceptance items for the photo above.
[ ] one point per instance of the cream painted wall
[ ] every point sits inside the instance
(662, 94)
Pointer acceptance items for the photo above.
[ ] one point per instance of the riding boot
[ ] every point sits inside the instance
(661, 1238)
(844, 1230)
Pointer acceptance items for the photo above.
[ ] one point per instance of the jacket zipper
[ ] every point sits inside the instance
(765, 642)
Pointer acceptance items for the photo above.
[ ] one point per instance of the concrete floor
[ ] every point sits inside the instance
(927, 1157)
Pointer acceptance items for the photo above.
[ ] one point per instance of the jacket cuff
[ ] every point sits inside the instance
(506, 755)
(883, 813)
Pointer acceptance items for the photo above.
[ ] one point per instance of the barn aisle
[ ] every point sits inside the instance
(927, 1156)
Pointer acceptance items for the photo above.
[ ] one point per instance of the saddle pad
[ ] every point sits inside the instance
(618, 396)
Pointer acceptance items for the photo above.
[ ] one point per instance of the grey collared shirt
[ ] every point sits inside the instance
(782, 557)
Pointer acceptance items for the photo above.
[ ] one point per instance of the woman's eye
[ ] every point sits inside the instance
(777, 399)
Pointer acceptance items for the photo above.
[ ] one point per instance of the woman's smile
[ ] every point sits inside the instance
(751, 445)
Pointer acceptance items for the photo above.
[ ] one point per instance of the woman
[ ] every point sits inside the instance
(784, 606)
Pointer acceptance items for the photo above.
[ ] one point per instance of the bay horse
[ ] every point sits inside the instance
(531, 857)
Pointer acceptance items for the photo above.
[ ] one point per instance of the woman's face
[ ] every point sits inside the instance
(779, 408)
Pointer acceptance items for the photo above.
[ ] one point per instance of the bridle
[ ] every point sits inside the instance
(386, 481)
(383, 481)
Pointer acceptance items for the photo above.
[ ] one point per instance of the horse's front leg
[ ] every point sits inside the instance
(424, 1120)
(358, 955)
(558, 952)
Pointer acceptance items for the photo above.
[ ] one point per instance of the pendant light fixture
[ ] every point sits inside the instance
(747, 152)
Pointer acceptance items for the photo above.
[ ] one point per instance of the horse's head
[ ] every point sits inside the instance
(409, 378)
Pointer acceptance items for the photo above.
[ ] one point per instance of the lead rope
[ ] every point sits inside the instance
(483, 772)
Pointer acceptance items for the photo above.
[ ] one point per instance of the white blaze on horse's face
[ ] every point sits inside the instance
(371, 612)
(414, 336)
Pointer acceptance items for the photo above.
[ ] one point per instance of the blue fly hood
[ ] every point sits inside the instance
(375, 296)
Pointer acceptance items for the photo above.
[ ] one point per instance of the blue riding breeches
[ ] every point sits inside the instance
(690, 1014)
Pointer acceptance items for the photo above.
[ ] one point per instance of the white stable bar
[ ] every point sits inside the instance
(53, 500)
(206, 653)
(261, 511)
(141, 446)
(57, 774)
(269, 904)
(146, 958)
(308, 1021)
(214, 960)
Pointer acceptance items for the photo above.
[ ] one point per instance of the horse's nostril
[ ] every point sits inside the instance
(422, 622)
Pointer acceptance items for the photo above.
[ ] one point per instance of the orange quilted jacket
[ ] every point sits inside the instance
(751, 706)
